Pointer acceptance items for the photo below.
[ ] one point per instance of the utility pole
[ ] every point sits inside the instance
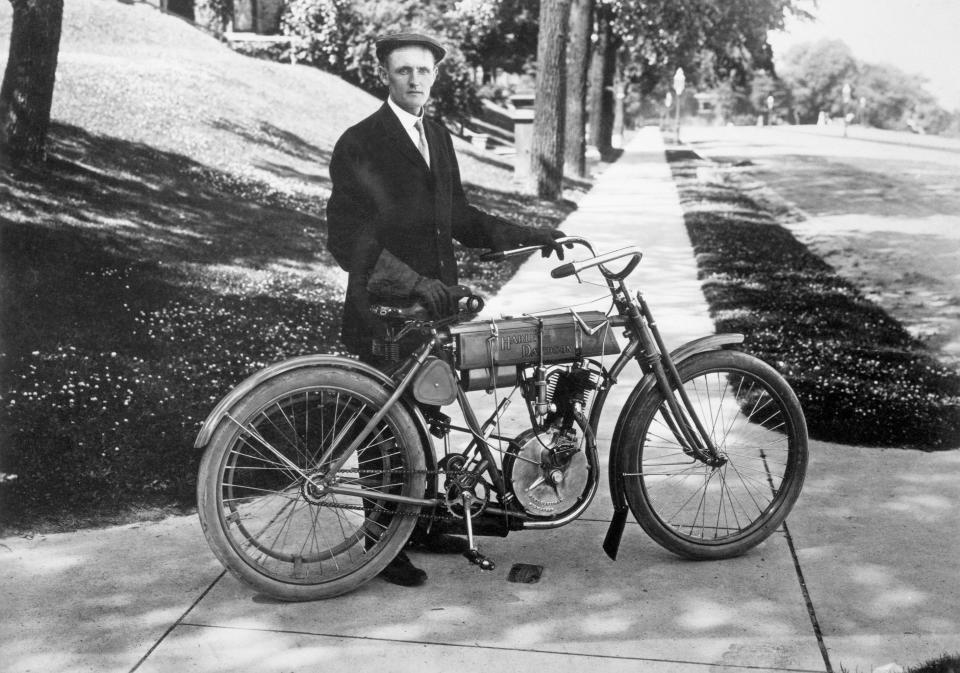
(679, 82)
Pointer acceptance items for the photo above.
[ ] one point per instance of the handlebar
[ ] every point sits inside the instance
(576, 267)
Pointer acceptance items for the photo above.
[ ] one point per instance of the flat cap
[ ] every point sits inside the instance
(388, 43)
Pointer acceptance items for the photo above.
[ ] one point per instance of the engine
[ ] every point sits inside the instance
(548, 471)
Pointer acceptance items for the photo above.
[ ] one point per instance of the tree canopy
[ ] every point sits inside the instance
(499, 34)
(816, 72)
(712, 41)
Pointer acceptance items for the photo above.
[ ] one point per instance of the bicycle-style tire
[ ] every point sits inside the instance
(264, 520)
(755, 421)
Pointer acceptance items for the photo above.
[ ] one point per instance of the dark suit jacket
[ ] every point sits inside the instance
(388, 212)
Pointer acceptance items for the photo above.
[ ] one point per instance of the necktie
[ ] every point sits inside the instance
(422, 145)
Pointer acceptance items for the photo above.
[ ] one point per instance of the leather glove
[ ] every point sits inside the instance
(436, 297)
(547, 239)
(359, 300)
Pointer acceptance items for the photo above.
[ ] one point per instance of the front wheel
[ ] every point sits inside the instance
(261, 508)
(755, 422)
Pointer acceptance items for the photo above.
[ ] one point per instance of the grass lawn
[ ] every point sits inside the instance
(175, 244)
(860, 376)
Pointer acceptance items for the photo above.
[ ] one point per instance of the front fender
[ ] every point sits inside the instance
(319, 360)
(643, 388)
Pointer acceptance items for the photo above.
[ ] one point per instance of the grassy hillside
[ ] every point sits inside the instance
(175, 244)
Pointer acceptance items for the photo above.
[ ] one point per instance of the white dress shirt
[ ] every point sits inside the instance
(408, 121)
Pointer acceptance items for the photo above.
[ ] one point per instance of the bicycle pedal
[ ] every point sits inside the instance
(476, 558)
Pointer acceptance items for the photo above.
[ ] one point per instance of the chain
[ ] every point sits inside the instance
(379, 508)
(400, 470)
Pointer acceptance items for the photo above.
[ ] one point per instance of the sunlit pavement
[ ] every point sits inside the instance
(864, 574)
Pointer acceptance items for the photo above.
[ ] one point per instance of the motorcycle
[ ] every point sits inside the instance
(317, 469)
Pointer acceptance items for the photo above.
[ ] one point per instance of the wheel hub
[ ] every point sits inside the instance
(314, 490)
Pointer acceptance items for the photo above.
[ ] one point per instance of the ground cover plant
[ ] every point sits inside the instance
(860, 376)
(174, 244)
(945, 663)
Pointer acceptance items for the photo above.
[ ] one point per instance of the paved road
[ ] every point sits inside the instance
(882, 207)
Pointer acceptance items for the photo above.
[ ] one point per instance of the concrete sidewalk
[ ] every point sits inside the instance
(864, 576)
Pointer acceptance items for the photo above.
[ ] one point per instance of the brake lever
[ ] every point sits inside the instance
(505, 254)
(567, 242)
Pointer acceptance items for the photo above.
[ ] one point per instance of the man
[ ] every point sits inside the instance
(397, 204)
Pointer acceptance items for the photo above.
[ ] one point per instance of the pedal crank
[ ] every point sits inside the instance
(473, 554)
(476, 558)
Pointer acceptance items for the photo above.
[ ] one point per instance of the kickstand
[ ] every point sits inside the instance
(473, 554)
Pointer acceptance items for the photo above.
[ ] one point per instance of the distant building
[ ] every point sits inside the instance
(182, 8)
(261, 17)
(257, 16)
(707, 106)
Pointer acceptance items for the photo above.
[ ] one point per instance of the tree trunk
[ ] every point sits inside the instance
(27, 91)
(595, 80)
(619, 102)
(607, 101)
(546, 151)
(578, 50)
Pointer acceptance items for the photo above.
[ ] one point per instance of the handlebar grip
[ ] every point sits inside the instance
(468, 303)
(492, 257)
(471, 303)
(563, 271)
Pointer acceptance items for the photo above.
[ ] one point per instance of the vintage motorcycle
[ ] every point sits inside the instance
(318, 468)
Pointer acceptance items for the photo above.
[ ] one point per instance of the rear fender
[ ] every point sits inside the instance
(640, 391)
(337, 361)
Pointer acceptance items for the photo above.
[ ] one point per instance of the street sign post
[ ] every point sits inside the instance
(679, 82)
(846, 102)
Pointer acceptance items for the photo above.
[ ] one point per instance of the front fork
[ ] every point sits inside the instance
(653, 357)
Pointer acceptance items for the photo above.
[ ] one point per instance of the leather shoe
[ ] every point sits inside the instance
(402, 572)
(440, 543)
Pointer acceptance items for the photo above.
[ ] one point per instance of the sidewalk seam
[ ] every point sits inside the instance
(807, 600)
(398, 641)
(178, 622)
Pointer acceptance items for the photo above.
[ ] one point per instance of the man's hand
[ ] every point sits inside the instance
(547, 239)
(439, 299)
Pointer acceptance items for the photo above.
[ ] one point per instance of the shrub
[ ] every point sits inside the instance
(455, 92)
(268, 51)
(214, 15)
(324, 29)
(335, 36)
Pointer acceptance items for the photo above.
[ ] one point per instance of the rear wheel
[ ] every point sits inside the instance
(754, 420)
(260, 506)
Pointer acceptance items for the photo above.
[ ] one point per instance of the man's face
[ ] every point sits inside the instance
(408, 73)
